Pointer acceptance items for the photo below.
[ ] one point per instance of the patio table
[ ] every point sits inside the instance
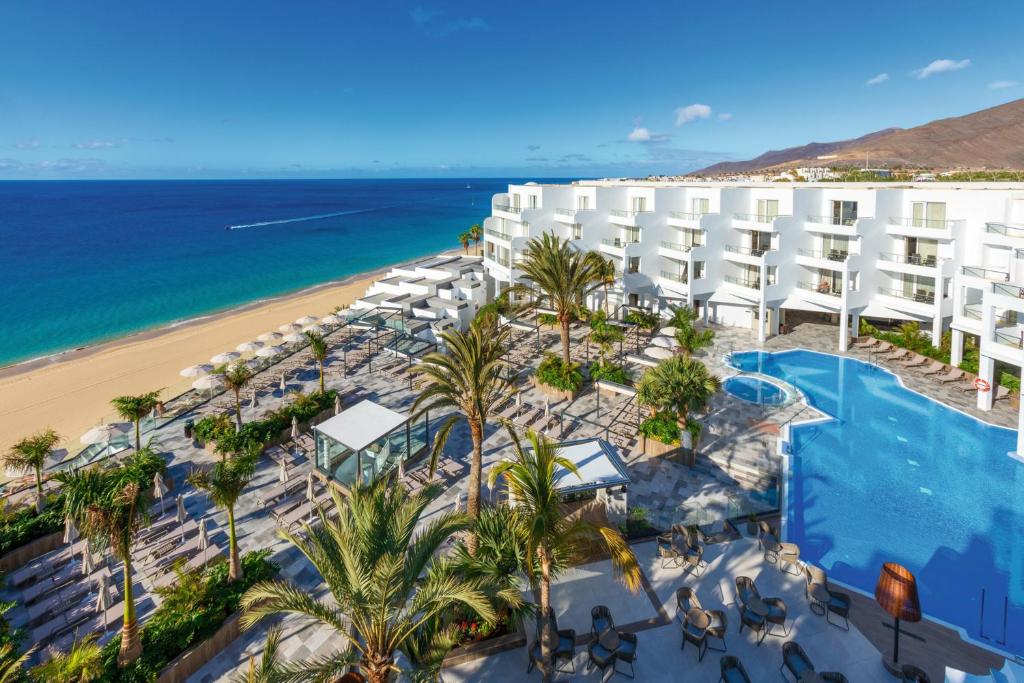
(698, 618)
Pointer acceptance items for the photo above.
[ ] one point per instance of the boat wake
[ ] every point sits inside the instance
(301, 219)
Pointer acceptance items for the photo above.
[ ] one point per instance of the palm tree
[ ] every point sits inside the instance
(265, 671)
(134, 408)
(560, 277)
(552, 537)
(236, 378)
(606, 272)
(110, 507)
(689, 337)
(476, 233)
(465, 238)
(30, 454)
(680, 385)
(224, 482)
(385, 579)
(318, 349)
(469, 377)
(12, 664)
(83, 664)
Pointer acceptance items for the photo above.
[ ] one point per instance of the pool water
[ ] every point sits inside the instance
(755, 390)
(898, 477)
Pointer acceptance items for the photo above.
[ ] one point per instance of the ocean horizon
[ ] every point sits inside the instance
(84, 262)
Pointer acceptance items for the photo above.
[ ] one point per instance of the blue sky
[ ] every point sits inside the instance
(262, 88)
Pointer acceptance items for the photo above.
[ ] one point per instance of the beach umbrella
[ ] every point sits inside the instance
(283, 385)
(313, 329)
(249, 346)
(159, 490)
(289, 327)
(547, 407)
(519, 400)
(337, 404)
(282, 473)
(208, 383)
(226, 357)
(293, 338)
(88, 567)
(196, 370)
(305, 320)
(104, 433)
(295, 427)
(331, 320)
(665, 342)
(269, 337)
(658, 352)
(103, 600)
(310, 496)
(254, 403)
(269, 351)
(70, 530)
(204, 539)
(667, 331)
(181, 514)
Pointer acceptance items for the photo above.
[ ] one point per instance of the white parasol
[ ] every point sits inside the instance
(313, 329)
(337, 404)
(293, 337)
(331, 320)
(667, 331)
(295, 427)
(181, 515)
(159, 490)
(270, 337)
(204, 539)
(196, 370)
(289, 327)
(254, 403)
(282, 473)
(547, 407)
(104, 433)
(269, 351)
(87, 564)
(306, 320)
(70, 530)
(226, 357)
(207, 383)
(665, 342)
(103, 600)
(658, 352)
(283, 386)
(249, 346)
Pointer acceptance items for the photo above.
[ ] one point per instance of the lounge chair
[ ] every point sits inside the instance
(883, 347)
(823, 599)
(865, 343)
(670, 556)
(934, 368)
(1001, 393)
(954, 375)
(795, 661)
(914, 362)
(732, 671)
(686, 599)
(897, 355)
(198, 559)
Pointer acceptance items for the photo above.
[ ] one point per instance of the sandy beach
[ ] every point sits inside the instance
(71, 392)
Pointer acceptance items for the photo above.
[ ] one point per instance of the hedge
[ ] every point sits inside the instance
(221, 431)
(555, 372)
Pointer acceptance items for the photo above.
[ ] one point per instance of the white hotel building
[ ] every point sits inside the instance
(948, 255)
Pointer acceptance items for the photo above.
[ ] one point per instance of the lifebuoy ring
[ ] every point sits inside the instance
(982, 386)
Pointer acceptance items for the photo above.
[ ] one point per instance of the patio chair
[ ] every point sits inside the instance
(898, 354)
(865, 343)
(563, 651)
(835, 602)
(776, 615)
(600, 620)
(789, 559)
(1001, 393)
(913, 674)
(601, 658)
(667, 551)
(795, 661)
(695, 635)
(934, 368)
(754, 622)
(732, 671)
(954, 375)
(626, 653)
(916, 361)
(833, 677)
(693, 556)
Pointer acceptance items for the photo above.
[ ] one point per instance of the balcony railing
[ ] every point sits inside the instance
(749, 251)
(685, 215)
(622, 213)
(972, 311)
(755, 217)
(986, 273)
(501, 262)
(566, 212)
(920, 297)
(830, 255)
(749, 283)
(676, 277)
(508, 208)
(680, 247)
(613, 242)
(821, 288)
(930, 223)
(1015, 340)
(1004, 229)
(497, 233)
(833, 220)
(1008, 290)
(929, 261)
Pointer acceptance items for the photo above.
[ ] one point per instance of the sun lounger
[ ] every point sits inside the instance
(303, 512)
(286, 505)
(280, 490)
(1001, 393)
(954, 375)
(865, 343)
(43, 566)
(526, 419)
(196, 559)
(95, 624)
(934, 368)
(63, 621)
(898, 354)
(917, 360)
(72, 571)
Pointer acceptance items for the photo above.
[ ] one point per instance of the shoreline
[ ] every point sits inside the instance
(70, 391)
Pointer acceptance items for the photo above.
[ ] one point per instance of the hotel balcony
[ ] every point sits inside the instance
(833, 259)
(1005, 296)
(745, 255)
(684, 219)
(832, 225)
(743, 282)
(911, 264)
(920, 302)
(508, 211)
(927, 228)
(1003, 235)
(977, 276)
(755, 221)
(623, 217)
(615, 246)
(822, 292)
(675, 281)
(677, 250)
(1006, 341)
(569, 215)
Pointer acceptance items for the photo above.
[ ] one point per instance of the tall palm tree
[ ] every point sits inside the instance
(223, 483)
(476, 232)
(83, 664)
(559, 277)
(690, 339)
(265, 671)
(30, 454)
(318, 350)
(464, 239)
(552, 537)
(469, 377)
(680, 385)
(606, 273)
(236, 378)
(135, 408)
(110, 507)
(385, 580)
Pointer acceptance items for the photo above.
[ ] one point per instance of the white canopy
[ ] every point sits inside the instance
(293, 337)
(270, 337)
(196, 370)
(330, 319)
(658, 352)
(306, 320)
(667, 331)
(246, 347)
(207, 383)
(598, 462)
(665, 342)
(225, 357)
(315, 329)
(269, 351)
(361, 425)
(289, 327)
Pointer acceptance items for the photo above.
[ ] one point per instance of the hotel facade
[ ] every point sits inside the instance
(949, 256)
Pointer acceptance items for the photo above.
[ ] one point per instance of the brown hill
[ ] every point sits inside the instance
(991, 138)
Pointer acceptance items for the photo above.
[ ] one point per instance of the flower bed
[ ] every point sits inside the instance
(557, 378)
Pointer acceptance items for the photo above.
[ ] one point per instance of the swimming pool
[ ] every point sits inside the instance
(755, 390)
(899, 477)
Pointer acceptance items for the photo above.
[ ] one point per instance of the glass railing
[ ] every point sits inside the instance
(508, 208)
(832, 220)
(972, 311)
(495, 259)
(820, 288)
(1016, 340)
(680, 247)
(497, 233)
(613, 242)
(677, 277)
(986, 273)
(744, 282)
(920, 297)
(1004, 229)
(756, 217)
(623, 213)
(930, 223)
(749, 251)
(830, 255)
(685, 215)
(1008, 290)
(566, 212)
(928, 260)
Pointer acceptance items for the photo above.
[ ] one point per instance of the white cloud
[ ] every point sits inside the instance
(880, 78)
(1002, 85)
(725, 116)
(96, 144)
(941, 66)
(27, 144)
(641, 134)
(692, 112)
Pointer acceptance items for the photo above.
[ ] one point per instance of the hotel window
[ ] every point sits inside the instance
(639, 204)
(844, 213)
(771, 275)
(928, 214)
(533, 201)
(767, 210)
(576, 231)
(699, 205)
(634, 264)
(698, 269)
(583, 202)
(516, 200)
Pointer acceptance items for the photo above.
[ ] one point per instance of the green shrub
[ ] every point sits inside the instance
(661, 427)
(547, 319)
(554, 372)
(500, 306)
(189, 614)
(213, 427)
(647, 321)
(303, 408)
(609, 372)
